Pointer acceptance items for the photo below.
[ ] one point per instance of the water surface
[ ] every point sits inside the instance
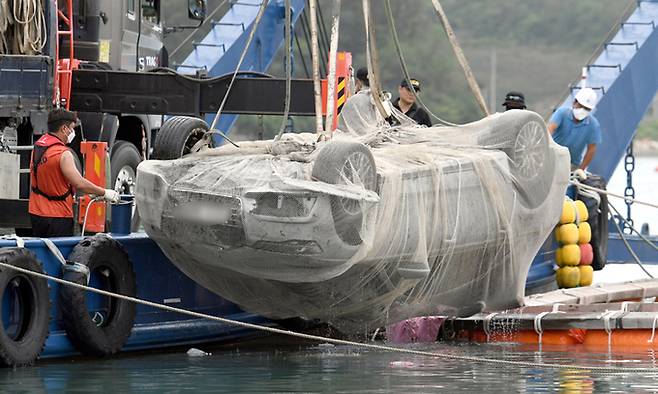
(273, 365)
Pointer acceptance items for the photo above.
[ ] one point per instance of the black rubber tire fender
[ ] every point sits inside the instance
(177, 136)
(334, 163)
(123, 154)
(23, 346)
(598, 221)
(102, 254)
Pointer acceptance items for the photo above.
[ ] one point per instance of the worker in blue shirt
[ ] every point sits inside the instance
(577, 129)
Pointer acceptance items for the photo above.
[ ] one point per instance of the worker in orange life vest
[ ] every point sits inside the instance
(53, 176)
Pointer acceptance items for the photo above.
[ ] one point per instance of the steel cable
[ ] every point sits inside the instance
(647, 240)
(252, 33)
(191, 35)
(628, 247)
(288, 47)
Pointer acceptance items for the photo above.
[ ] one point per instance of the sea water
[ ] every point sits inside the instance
(276, 366)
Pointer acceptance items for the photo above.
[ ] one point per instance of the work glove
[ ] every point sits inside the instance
(580, 174)
(111, 196)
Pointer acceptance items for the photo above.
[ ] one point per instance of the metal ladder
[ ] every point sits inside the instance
(219, 51)
(624, 73)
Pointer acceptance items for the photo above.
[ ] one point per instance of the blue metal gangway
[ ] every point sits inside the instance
(624, 74)
(220, 50)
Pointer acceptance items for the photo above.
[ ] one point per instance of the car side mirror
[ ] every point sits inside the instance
(196, 9)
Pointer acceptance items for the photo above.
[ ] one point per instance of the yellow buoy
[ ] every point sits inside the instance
(568, 212)
(567, 277)
(584, 233)
(558, 257)
(569, 255)
(583, 213)
(568, 234)
(586, 275)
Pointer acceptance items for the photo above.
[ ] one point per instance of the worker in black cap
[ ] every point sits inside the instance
(53, 176)
(514, 100)
(361, 79)
(406, 103)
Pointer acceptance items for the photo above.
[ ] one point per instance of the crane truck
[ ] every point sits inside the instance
(116, 76)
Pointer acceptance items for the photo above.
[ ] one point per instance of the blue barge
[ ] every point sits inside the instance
(156, 280)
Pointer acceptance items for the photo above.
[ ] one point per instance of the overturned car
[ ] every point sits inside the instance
(367, 228)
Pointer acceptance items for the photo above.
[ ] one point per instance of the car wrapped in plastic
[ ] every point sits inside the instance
(364, 228)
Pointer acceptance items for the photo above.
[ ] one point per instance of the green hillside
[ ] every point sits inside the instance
(539, 48)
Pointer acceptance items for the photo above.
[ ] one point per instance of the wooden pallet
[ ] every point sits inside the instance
(602, 293)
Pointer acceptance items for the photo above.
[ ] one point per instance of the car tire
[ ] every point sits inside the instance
(28, 300)
(108, 263)
(177, 136)
(123, 163)
(336, 162)
(523, 136)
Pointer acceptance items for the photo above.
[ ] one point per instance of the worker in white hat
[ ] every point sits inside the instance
(577, 129)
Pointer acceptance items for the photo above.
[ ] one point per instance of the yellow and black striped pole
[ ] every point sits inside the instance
(341, 94)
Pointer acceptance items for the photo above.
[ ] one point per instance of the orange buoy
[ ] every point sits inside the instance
(586, 254)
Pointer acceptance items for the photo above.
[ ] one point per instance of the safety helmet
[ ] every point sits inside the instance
(586, 97)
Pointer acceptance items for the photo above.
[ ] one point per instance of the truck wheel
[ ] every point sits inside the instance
(341, 162)
(522, 135)
(123, 162)
(99, 325)
(25, 309)
(177, 136)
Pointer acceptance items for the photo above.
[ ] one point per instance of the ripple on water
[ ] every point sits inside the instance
(284, 368)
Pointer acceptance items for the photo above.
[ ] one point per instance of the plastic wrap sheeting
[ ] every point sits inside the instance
(368, 228)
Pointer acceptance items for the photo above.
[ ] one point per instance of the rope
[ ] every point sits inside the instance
(495, 362)
(286, 108)
(592, 188)
(592, 192)
(331, 78)
(653, 329)
(315, 58)
(372, 59)
(22, 27)
(472, 83)
(324, 37)
(647, 240)
(403, 64)
(630, 250)
(537, 325)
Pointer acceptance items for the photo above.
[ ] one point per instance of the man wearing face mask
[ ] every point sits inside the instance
(53, 176)
(577, 129)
